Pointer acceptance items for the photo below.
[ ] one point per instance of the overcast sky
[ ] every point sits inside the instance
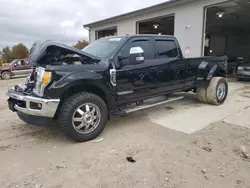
(26, 21)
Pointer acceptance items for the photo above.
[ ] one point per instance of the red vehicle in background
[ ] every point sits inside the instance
(18, 67)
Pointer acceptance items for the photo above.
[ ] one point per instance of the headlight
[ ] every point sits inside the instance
(240, 68)
(43, 78)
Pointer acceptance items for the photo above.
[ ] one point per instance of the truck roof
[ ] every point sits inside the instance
(143, 35)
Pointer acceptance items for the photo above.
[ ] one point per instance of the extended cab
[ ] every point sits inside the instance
(80, 89)
(18, 67)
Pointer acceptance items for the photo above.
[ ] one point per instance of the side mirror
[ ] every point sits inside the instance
(136, 55)
(15, 65)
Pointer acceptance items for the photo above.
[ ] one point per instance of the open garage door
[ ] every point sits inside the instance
(161, 26)
(106, 32)
(228, 32)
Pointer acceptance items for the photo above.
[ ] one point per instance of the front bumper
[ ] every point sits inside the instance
(30, 105)
(243, 74)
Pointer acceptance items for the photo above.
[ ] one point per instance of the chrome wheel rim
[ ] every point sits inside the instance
(221, 91)
(86, 118)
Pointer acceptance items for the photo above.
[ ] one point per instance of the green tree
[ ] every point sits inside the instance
(81, 44)
(20, 51)
(7, 54)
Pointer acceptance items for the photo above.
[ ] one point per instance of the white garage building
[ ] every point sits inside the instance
(203, 27)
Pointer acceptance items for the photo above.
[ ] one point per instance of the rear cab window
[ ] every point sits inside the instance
(166, 48)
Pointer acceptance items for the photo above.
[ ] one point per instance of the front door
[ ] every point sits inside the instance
(21, 68)
(134, 81)
(18, 68)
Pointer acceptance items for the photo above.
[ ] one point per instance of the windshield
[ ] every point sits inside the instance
(103, 48)
(12, 63)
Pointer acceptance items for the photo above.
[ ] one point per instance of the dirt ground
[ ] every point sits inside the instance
(33, 156)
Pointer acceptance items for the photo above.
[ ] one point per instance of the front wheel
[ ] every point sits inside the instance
(6, 75)
(83, 116)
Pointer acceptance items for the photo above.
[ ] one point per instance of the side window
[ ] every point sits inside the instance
(166, 49)
(144, 44)
(19, 63)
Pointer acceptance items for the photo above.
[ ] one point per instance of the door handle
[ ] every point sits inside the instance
(154, 69)
(181, 66)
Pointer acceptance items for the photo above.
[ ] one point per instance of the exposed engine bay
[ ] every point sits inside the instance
(51, 53)
(27, 87)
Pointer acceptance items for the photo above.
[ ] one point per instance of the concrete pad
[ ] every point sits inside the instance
(241, 118)
(189, 115)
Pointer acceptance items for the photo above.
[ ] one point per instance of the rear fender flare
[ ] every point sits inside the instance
(205, 73)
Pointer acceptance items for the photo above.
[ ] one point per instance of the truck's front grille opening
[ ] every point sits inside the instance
(21, 104)
(35, 106)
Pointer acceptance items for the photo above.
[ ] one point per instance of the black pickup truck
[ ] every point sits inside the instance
(80, 89)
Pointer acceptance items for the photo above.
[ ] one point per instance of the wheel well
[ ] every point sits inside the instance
(4, 71)
(221, 73)
(87, 88)
(81, 88)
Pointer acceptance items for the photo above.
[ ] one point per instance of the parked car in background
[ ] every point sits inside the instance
(233, 63)
(243, 71)
(18, 67)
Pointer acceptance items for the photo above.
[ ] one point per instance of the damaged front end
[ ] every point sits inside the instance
(35, 83)
(27, 99)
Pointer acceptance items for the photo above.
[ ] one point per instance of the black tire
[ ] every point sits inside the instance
(201, 94)
(6, 75)
(67, 111)
(22, 117)
(35, 120)
(212, 96)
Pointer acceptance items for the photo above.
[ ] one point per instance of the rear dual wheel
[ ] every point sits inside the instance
(215, 93)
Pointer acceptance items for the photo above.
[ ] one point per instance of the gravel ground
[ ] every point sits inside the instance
(43, 157)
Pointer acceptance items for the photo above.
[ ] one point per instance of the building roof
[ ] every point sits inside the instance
(140, 11)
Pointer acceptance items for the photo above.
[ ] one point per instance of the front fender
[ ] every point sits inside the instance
(6, 69)
(58, 88)
(75, 78)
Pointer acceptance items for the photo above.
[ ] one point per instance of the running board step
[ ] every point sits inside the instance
(151, 103)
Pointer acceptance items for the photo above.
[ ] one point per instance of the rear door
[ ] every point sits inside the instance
(170, 72)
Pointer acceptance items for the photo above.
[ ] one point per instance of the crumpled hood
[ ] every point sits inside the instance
(51, 49)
